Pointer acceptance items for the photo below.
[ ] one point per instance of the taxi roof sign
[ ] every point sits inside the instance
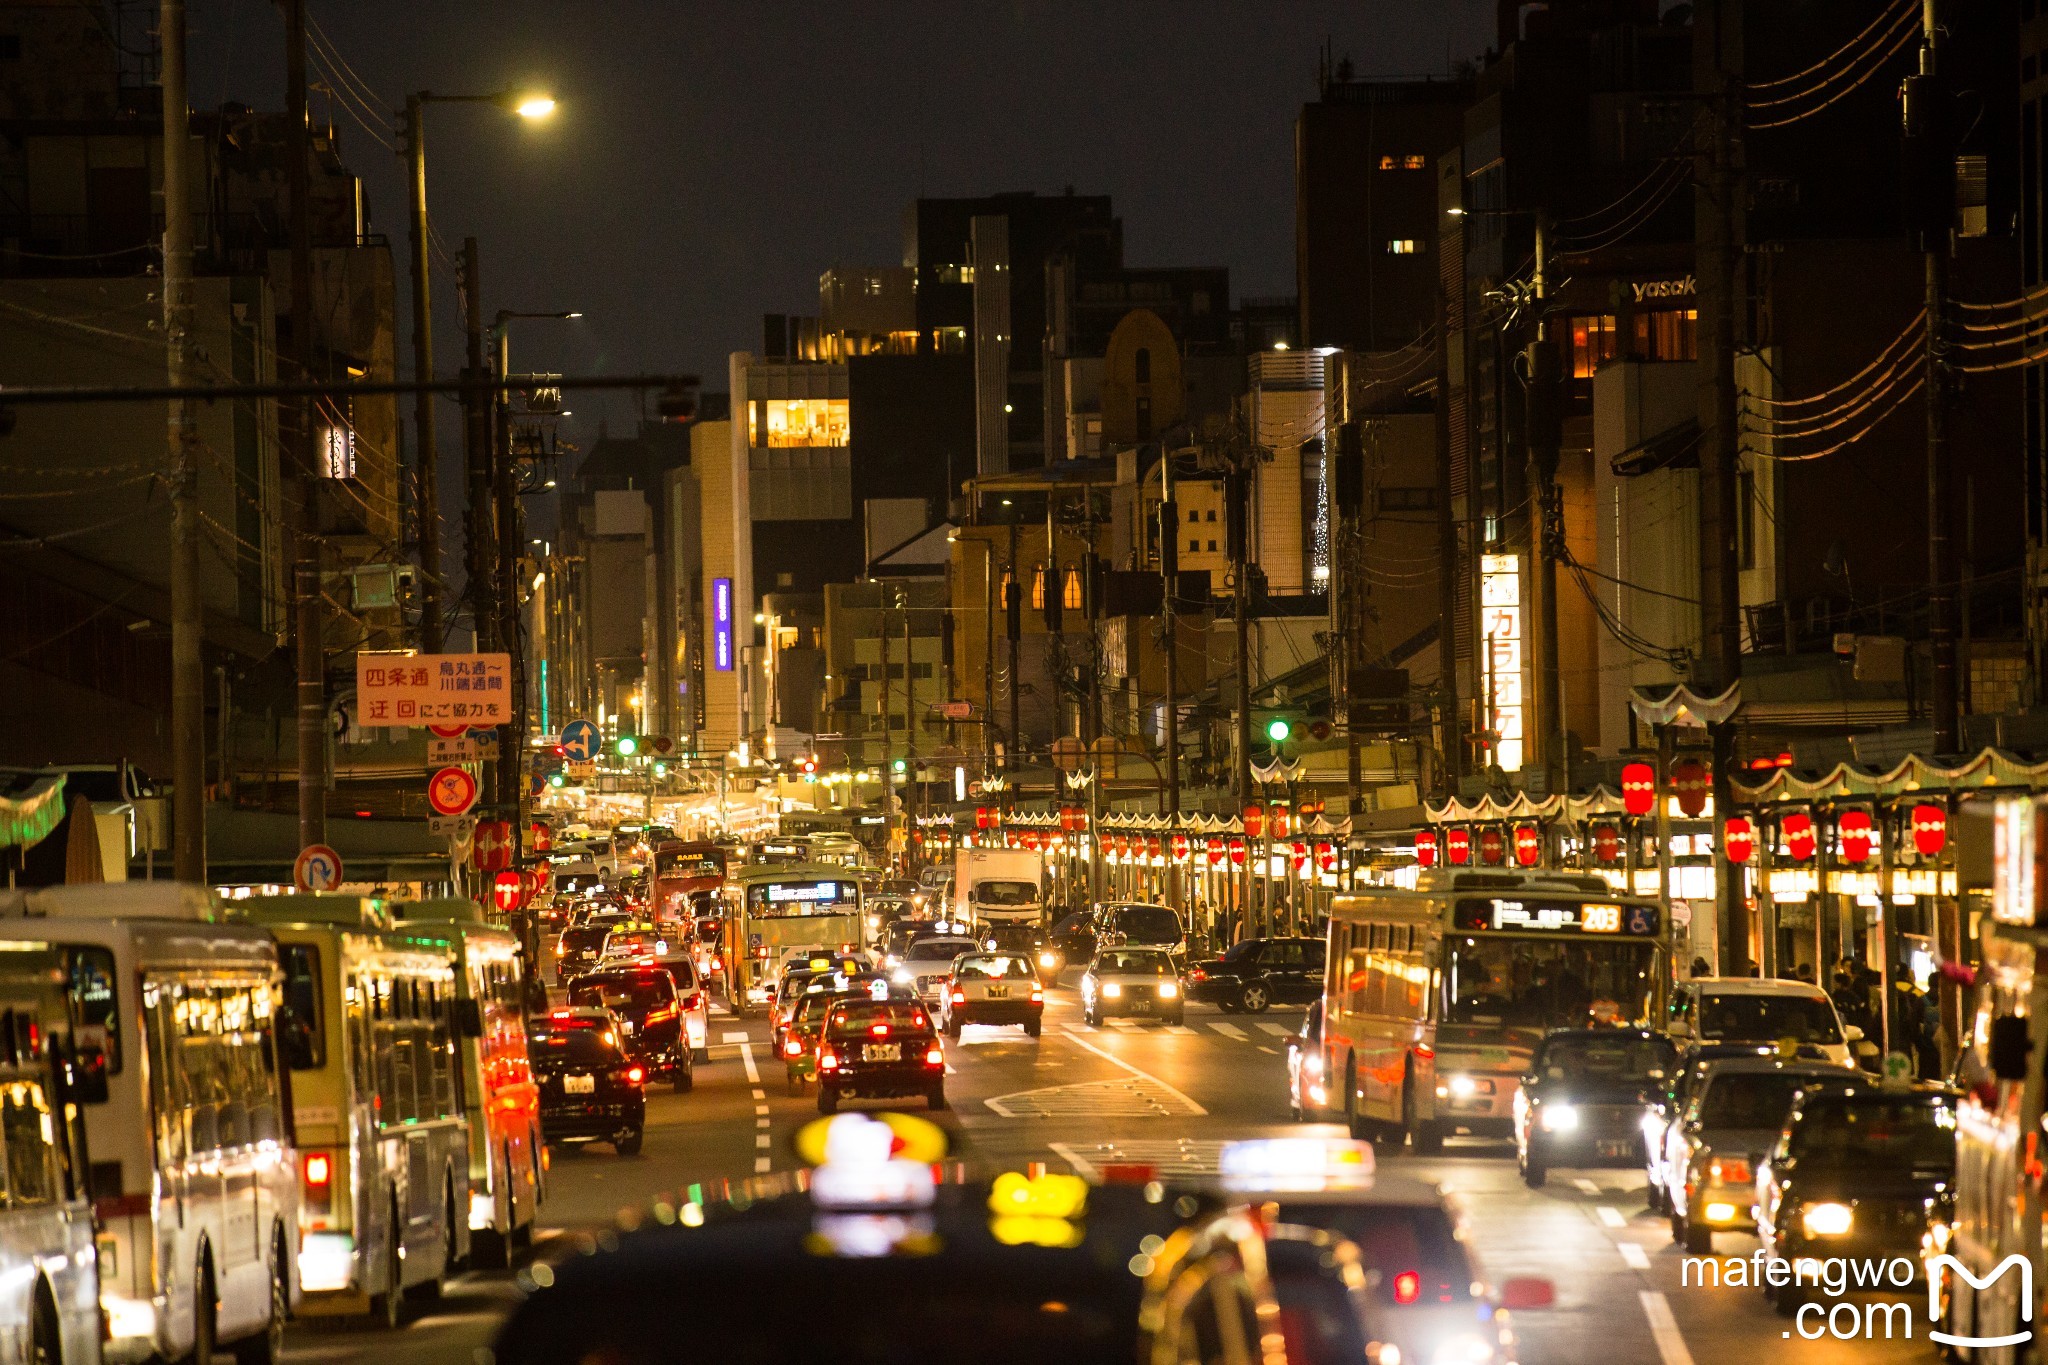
(1296, 1164)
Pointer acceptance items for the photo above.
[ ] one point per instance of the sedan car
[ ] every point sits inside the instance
(871, 1049)
(1660, 1121)
(1259, 973)
(590, 1090)
(1140, 981)
(1583, 1100)
(582, 945)
(649, 1013)
(926, 965)
(992, 988)
(1859, 1172)
(1134, 924)
(1710, 1162)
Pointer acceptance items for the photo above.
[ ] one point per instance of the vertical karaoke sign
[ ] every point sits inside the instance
(721, 624)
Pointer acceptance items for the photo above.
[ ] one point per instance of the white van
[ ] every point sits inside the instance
(1762, 1010)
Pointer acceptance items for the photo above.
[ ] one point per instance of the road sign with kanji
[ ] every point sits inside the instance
(579, 741)
(508, 891)
(317, 868)
(451, 791)
(433, 689)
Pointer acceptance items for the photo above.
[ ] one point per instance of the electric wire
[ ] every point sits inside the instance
(1911, 331)
(1905, 7)
(1883, 54)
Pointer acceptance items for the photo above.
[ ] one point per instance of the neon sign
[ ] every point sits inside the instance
(721, 624)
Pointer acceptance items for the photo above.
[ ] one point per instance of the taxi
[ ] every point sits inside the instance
(649, 1014)
(1585, 1098)
(992, 988)
(875, 1049)
(590, 1090)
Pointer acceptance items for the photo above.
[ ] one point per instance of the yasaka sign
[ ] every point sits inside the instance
(424, 689)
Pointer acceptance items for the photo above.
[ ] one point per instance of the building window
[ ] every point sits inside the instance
(1212, 514)
(1593, 341)
(1038, 587)
(1196, 545)
(1194, 514)
(1669, 334)
(1070, 590)
(797, 422)
(1407, 499)
(949, 340)
(1404, 246)
(1212, 547)
(1413, 161)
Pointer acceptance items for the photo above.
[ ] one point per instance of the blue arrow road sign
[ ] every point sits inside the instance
(579, 741)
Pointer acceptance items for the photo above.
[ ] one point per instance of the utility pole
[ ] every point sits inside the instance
(1544, 433)
(426, 493)
(1169, 574)
(1013, 602)
(1237, 515)
(188, 672)
(477, 452)
(1448, 562)
(1718, 228)
(511, 541)
(309, 651)
(909, 691)
(1925, 100)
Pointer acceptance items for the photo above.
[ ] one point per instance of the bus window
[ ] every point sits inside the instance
(302, 993)
(30, 1133)
(95, 1004)
(1544, 983)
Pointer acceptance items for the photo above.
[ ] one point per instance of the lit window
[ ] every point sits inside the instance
(1038, 587)
(1413, 161)
(1593, 341)
(1070, 590)
(1403, 246)
(798, 422)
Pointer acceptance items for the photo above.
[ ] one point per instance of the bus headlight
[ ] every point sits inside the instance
(129, 1319)
(1462, 1087)
(327, 1260)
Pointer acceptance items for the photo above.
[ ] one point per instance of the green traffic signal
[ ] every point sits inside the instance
(557, 780)
(627, 746)
(901, 766)
(1277, 729)
(660, 768)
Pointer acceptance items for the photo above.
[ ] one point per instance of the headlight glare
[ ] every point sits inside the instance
(1827, 1220)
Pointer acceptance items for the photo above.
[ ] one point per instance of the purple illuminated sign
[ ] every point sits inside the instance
(721, 624)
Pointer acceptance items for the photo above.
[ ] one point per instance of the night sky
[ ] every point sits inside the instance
(709, 160)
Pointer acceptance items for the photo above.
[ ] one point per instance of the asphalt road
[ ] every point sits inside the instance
(1080, 1097)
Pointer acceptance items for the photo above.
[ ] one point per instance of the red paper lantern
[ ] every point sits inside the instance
(1425, 848)
(1276, 822)
(1300, 852)
(1493, 848)
(981, 814)
(1638, 788)
(1237, 852)
(1858, 835)
(1180, 848)
(1152, 847)
(1738, 839)
(1930, 830)
(1691, 783)
(1254, 820)
(1218, 851)
(1326, 857)
(1606, 844)
(1799, 835)
(1458, 846)
(1528, 845)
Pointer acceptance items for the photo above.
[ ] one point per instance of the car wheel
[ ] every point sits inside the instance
(828, 1100)
(1253, 998)
(1427, 1138)
(204, 1326)
(1174, 1020)
(1698, 1241)
(629, 1145)
(953, 1024)
(1356, 1122)
(1789, 1299)
(936, 1098)
(1534, 1173)
(685, 1079)
(1033, 1027)
(389, 1307)
(1660, 1202)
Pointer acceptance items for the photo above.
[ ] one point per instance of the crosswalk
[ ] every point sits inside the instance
(1221, 1028)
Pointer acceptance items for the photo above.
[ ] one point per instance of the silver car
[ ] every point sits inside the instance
(1137, 981)
(926, 965)
(1712, 1149)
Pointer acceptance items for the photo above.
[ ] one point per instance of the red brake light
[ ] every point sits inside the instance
(558, 1014)
(793, 1048)
(828, 1060)
(1198, 975)
(959, 997)
(635, 1074)
(319, 1168)
(935, 1058)
(692, 1001)
(1407, 1287)
(880, 1030)
(1425, 1052)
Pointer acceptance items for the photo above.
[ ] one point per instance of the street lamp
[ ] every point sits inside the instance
(531, 106)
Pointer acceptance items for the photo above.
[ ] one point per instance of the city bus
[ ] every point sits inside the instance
(382, 1135)
(506, 1168)
(194, 1179)
(1434, 999)
(49, 1295)
(772, 909)
(687, 878)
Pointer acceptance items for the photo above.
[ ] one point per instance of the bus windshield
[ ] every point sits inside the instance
(1545, 983)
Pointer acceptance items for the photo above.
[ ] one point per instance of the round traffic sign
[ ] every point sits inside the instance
(449, 731)
(451, 791)
(317, 868)
(579, 741)
(508, 890)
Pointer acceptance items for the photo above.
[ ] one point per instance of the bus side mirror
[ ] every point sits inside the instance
(469, 1018)
(2009, 1047)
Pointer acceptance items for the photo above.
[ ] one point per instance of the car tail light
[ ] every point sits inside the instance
(828, 1060)
(959, 997)
(1037, 993)
(661, 1013)
(635, 1075)
(1198, 974)
(879, 1030)
(1729, 1171)
(1424, 1052)
(319, 1170)
(693, 1001)
(793, 1048)
(934, 1058)
(1407, 1287)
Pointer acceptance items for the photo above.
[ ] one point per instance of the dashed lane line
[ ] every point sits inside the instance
(1633, 1255)
(1611, 1216)
(761, 1165)
(1588, 1186)
(1664, 1329)
(1277, 1030)
(747, 1060)
(734, 1036)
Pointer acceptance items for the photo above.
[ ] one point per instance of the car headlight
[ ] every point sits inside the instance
(1111, 990)
(902, 976)
(1467, 1349)
(1048, 959)
(1559, 1118)
(1168, 989)
(1827, 1220)
(1463, 1087)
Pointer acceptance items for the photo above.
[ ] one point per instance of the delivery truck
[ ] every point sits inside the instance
(999, 886)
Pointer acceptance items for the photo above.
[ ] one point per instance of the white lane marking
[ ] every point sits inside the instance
(1117, 1098)
(1121, 1022)
(1115, 1060)
(734, 1036)
(1270, 1052)
(762, 1140)
(1166, 1156)
(760, 1108)
(1664, 1327)
(1633, 1255)
(760, 1094)
(1231, 1031)
(1588, 1186)
(747, 1060)
(1184, 1030)
(1277, 1030)
(1611, 1216)
(950, 1070)
(760, 1123)
(761, 1165)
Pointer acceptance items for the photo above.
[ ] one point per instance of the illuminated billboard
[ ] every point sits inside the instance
(721, 624)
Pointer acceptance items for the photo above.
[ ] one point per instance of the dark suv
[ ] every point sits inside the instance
(590, 1090)
(1260, 973)
(644, 1001)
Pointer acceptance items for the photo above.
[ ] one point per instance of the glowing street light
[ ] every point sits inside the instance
(535, 106)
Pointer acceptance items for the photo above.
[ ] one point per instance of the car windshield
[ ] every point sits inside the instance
(635, 941)
(1750, 1099)
(1140, 964)
(584, 938)
(625, 994)
(1613, 1057)
(1072, 924)
(1240, 952)
(1528, 982)
(936, 950)
(864, 1016)
(574, 1047)
(1881, 1133)
(1004, 893)
(1000, 967)
(1745, 1018)
(1148, 924)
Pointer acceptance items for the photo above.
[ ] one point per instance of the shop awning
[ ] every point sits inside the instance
(1917, 773)
(30, 810)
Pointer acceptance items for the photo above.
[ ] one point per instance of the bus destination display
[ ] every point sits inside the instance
(806, 893)
(1521, 915)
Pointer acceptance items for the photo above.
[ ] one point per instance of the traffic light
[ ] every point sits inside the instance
(558, 780)
(660, 768)
(1278, 729)
(626, 746)
(810, 767)
(901, 767)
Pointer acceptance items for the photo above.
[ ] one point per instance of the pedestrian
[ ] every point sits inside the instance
(1701, 967)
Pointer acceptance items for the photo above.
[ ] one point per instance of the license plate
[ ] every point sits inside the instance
(884, 1052)
(579, 1085)
(999, 992)
(1614, 1147)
